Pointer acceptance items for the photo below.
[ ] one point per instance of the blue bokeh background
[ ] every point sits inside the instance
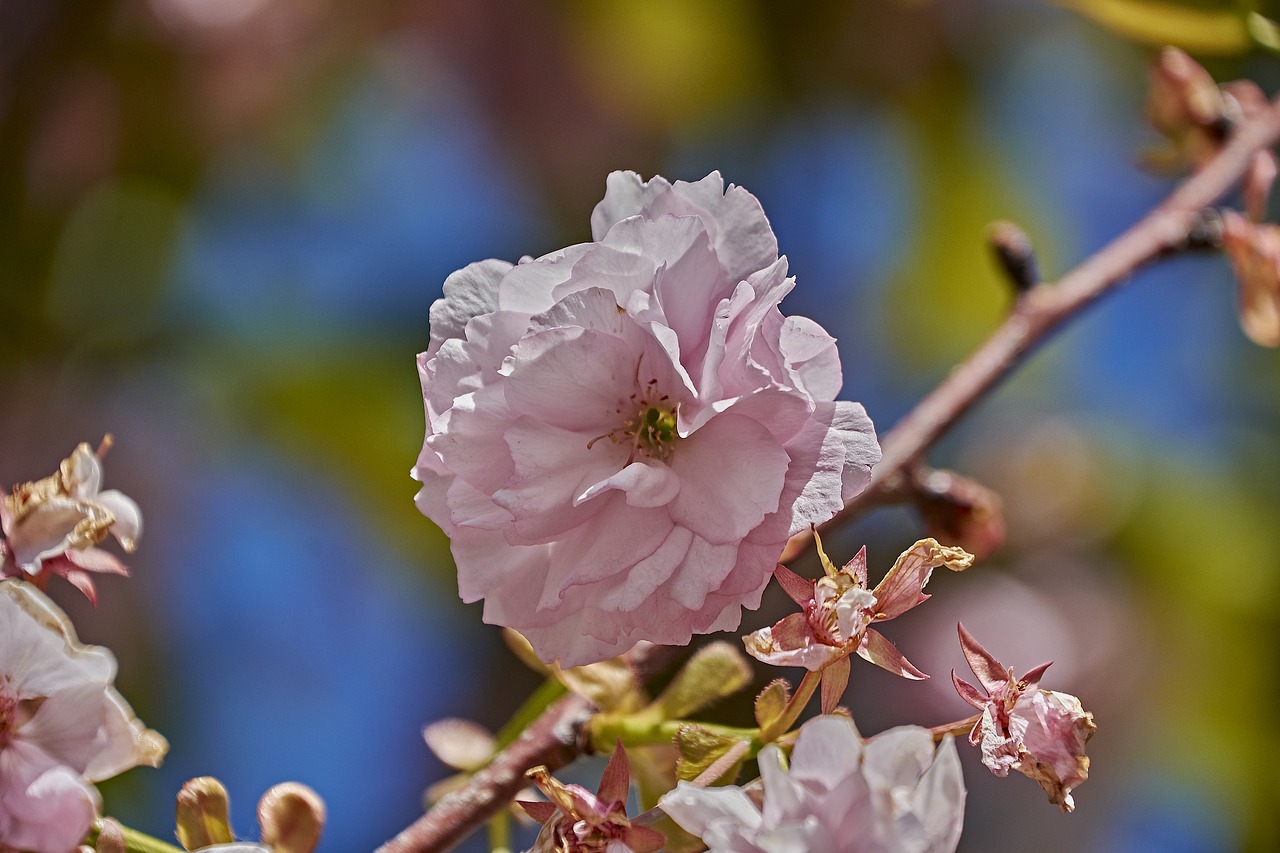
(221, 229)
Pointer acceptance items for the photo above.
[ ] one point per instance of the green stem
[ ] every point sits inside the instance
(959, 727)
(135, 841)
(500, 833)
(637, 731)
(791, 713)
(541, 699)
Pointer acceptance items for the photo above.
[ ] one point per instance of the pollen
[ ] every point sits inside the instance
(648, 426)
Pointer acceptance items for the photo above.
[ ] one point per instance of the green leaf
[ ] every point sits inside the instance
(699, 748)
(610, 684)
(1199, 29)
(771, 702)
(716, 671)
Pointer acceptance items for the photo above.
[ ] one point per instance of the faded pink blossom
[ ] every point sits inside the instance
(622, 435)
(62, 726)
(52, 525)
(574, 820)
(838, 611)
(893, 794)
(1040, 733)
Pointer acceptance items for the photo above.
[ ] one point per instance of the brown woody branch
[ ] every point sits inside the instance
(1173, 226)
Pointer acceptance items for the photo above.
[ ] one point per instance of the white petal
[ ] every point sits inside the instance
(695, 809)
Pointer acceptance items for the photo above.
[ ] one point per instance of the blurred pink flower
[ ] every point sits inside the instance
(578, 821)
(893, 793)
(1040, 733)
(62, 726)
(622, 435)
(52, 525)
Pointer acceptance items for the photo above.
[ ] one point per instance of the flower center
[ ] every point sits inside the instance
(651, 431)
(14, 712)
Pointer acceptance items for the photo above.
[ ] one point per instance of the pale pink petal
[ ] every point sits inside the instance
(831, 461)
(650, 573)
(545, 493)
(731, 473)
(695, 809)
(811, 357)
(572, 378)
(939, 799)
(884, 654)
(468, 293)
(44, 807)
(528, 288)
(127, 527)
(46, 531)
(646, 484)
(82, 474)
(626, 194)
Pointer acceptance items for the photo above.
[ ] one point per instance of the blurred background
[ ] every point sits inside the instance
(222, 223)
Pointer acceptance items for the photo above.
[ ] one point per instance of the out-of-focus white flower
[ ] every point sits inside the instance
(52, 525)
(893, 794)
(622, 435)
(1040, 733)
(62, 725)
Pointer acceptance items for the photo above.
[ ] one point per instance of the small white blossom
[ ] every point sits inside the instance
(62, 726)
(893, 794)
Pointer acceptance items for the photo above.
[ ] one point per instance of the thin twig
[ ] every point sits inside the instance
(1173, 226)
(553, 738)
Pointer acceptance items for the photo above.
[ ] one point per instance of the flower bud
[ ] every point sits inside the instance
(960, 510)
(203, 814)
(1182, 94)
(110, 838)
(1254, 250)
(292, 817)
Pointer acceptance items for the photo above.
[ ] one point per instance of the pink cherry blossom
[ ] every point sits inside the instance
(622, 435)
(1040, 733)
(574, 820)
(62, 726)
(893, 794)
(838, 611)
(52, 525)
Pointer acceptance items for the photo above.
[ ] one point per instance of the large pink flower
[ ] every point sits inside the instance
(622, 435)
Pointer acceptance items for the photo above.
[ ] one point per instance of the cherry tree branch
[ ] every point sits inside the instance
(1042, 309)
(553, 739)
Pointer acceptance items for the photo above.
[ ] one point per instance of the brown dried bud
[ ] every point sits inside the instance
(960, 510)
(1254, 250)
(203, 815)
(1182, 95)
(292, 817)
